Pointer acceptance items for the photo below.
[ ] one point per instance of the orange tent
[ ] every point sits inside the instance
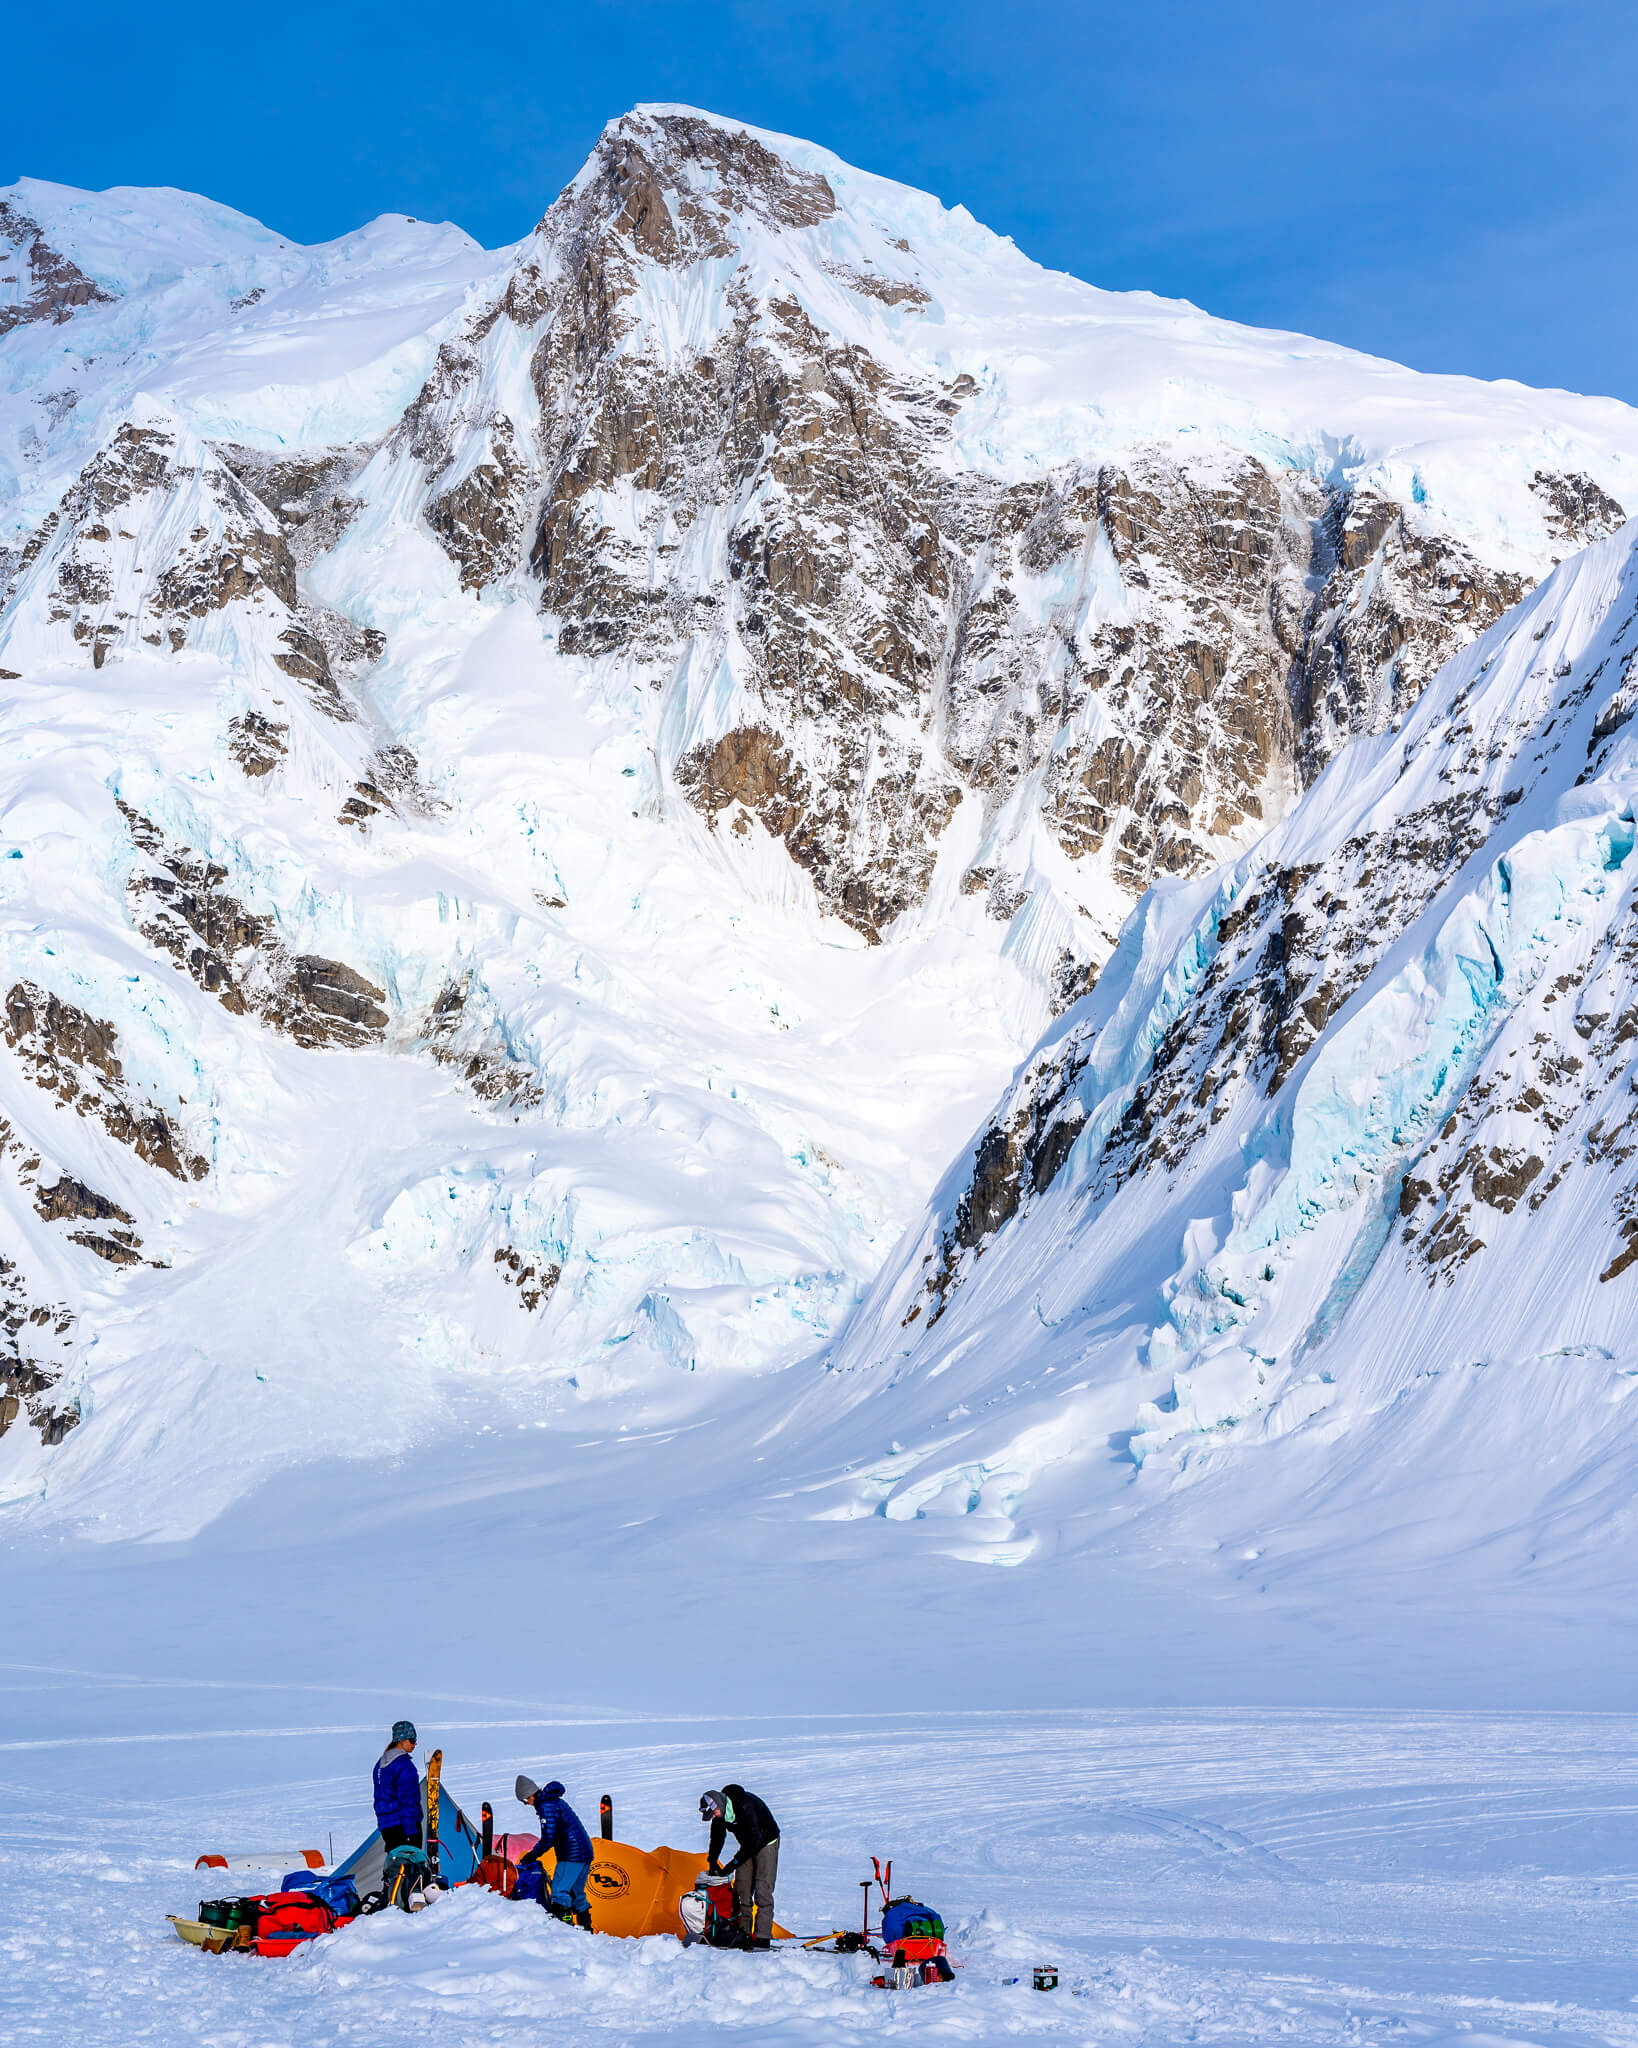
(636, 1891)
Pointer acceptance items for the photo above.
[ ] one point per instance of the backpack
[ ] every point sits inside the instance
(707, 1913)
(529, 1882)
(500, 1874)
(340, 1894)
(909, 1920)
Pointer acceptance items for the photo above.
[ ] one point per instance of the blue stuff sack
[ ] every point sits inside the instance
(529, 1884)
(340, 1894)
(908, 1920)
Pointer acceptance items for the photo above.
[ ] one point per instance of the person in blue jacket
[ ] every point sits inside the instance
(398, 1790)
(560, 1830)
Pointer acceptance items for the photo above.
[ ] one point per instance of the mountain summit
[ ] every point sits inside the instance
(546, 791)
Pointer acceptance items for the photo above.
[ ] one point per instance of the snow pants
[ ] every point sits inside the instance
(754, 1885)
(568, 1886)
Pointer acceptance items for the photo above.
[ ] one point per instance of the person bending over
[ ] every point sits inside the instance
(560, 1831)
(734, 1811)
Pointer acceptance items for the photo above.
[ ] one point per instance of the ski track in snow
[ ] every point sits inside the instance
(1228, 1877)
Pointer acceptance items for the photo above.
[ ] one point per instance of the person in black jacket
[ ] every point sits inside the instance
(734, 1811)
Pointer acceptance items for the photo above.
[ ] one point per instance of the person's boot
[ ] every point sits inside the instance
(583, 1919)
(761, 1941)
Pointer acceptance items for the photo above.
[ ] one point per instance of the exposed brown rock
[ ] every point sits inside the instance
(236, 955)
(465, 1033)
(59, 287)
(71, 1200)
(74, 1057)
(257, 743)
(1579, 511)
(307, 493)
(393, 784)
(35, 1338)
(480, 519)
(534, 1283)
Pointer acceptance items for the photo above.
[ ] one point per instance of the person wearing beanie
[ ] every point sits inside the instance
(734, 1811)
(561, 1832)
(398, 1790)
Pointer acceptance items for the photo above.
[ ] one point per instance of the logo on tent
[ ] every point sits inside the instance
(609, 1879)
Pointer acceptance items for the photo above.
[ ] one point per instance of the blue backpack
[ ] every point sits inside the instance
(340, 1894)
(908, 1920)
(530, 1879)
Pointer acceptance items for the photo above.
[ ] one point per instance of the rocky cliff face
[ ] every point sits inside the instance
(1143, 658)
(37, 282)
(711, 680)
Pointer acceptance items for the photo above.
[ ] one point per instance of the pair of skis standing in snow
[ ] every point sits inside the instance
(732, 1811)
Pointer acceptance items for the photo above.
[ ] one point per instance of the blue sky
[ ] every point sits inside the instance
(1447, 183)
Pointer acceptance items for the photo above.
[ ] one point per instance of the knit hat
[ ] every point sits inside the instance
(525, 1788)
(555, 1789)
(402, 1731)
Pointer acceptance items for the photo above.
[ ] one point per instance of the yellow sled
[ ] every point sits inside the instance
(214, 1940)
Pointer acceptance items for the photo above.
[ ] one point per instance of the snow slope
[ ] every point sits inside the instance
(1318, 1212)
(254, 335)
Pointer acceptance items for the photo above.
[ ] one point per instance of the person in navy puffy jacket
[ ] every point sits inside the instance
(398, 1790)
(560, 1831)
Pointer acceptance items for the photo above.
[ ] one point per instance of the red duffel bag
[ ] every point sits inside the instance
(287, 1919)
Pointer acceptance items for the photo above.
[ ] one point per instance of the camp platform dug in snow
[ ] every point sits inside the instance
(633, 1892)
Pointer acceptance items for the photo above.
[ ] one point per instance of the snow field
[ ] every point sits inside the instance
(1223, 1877)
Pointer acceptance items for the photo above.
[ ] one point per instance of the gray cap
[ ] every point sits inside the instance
(526, 1788)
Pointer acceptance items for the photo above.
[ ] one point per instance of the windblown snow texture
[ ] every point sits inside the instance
(544, 793)
(1250, 1879)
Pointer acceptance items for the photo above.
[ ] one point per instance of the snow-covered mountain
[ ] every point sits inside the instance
(545, 792)
(1321, 1210)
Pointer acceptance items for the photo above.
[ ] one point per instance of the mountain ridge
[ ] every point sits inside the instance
(566, 779)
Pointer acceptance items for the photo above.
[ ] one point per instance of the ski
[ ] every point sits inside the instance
(435, 1767)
